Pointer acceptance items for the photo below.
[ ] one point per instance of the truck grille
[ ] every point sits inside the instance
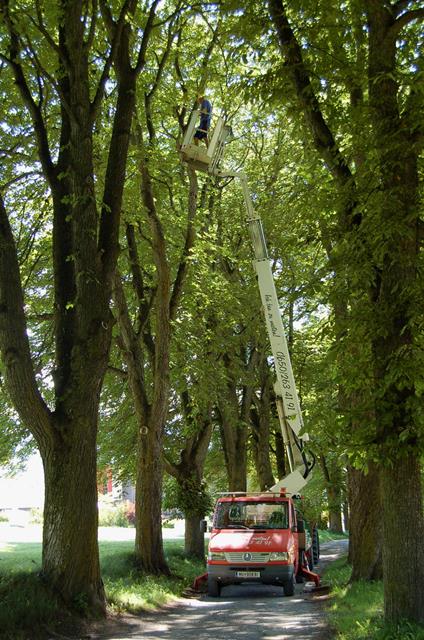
(247, 556)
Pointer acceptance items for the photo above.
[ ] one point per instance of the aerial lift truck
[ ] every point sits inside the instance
(260, 537)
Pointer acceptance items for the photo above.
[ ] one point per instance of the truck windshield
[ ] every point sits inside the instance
(251, 515)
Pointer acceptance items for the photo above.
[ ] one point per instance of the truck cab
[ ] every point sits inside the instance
(255, 538)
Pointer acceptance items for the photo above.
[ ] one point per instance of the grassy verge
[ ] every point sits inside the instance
(356, 610)
(129, 590)
(327, 536)
(27, 609)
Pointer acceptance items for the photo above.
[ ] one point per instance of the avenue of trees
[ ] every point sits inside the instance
(131, 333)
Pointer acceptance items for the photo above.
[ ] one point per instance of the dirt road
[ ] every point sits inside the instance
(245, 612)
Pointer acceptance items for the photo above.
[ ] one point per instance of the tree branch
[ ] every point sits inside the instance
(188, 244)
(404, 20)
(14, 344)
(23, 87)
(169, 466)
(130, 344)
(400, 6)
(322, 136)
(116, 31)
(42, 29)
(141, 59)
(148, 96)
(90, 38)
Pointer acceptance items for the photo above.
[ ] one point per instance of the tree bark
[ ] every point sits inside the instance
(334, 494)
(234, 439)
(235, 415)
(365, 527)
(403, 536)
(194, 539)
(260, 417)
(280, 454)
(71, 567)
(148, 540)
(335, 510)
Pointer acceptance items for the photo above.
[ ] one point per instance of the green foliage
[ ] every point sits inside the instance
(190, 496)
(36, 516)
(122, 515)
(314, 502)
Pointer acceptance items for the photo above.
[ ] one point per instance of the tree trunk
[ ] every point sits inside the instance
(403, 564)
(365, 529)
(234, 439)
(70, 566)
(397, 298)
(235, 414)
(260, 420)
(280, 454)
(346, 515)
(260, 448)
(332, 479)
(194, 539)
(148, 540)
(189, 473)
(335, 509)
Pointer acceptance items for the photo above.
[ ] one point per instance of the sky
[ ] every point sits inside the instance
(25, 489)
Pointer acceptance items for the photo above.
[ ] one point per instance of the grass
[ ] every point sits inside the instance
(356, 609)
(25, 604)
(129, 590)
(327, 536)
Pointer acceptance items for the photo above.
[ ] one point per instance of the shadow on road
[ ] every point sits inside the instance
(244, 612)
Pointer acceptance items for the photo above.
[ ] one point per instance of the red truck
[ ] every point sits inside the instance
(259, 538)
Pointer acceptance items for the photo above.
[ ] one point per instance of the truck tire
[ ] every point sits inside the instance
(315, 546)
(289, 587)
(214, 587)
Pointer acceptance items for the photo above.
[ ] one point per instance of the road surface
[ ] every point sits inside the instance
(244, 612)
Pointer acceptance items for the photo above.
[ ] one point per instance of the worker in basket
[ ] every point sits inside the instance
(205, 109)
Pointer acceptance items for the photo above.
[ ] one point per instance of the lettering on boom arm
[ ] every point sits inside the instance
(269, 308)
(281, 364)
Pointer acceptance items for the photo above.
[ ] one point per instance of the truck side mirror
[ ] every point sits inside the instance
(203, 526)
(300, 526)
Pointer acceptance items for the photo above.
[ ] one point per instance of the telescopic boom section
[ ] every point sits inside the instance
(289, 412)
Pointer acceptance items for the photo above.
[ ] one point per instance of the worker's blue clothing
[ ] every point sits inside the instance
(205, 120)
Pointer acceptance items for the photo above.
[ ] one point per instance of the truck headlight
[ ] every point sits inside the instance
(216, 555)
(279, 555)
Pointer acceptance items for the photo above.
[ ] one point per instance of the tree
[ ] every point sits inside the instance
(397, 135)
(54, 54)
(192, 495)
(383, 231)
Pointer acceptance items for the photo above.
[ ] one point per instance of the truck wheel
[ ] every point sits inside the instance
(289, 587)
(315, 546)
(214, 587)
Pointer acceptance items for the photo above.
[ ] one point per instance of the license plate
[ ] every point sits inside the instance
(248, 574)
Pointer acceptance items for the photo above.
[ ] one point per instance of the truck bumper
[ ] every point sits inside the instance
(268, 574)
